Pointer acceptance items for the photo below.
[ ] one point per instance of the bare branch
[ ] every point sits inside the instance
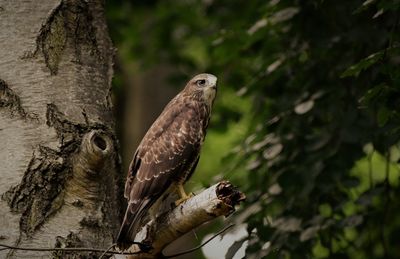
(218, 200)
(66, 249)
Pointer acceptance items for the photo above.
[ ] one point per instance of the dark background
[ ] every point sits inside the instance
(306, 120)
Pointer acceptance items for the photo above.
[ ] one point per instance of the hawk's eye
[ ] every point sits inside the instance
(201, 82)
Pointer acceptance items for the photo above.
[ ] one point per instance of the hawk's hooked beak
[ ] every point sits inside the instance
(213, 84)
(210, 90)
(212, 80)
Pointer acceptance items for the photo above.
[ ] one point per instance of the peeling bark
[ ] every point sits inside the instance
(218, 200)
(10, 101)
(59, 158)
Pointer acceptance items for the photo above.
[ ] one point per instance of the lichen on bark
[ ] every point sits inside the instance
(69, 25)
(39, 194)
(51, 174)
(11, 101)
(53, 38)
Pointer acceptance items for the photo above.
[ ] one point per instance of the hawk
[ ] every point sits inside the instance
(168, 154)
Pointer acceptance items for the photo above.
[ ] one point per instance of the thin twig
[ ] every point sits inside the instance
(66, 249)
(108, 249)
(200, 246)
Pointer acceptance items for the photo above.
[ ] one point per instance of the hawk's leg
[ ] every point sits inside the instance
(182, 194)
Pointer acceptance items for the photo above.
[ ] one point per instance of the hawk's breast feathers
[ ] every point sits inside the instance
(171, 143)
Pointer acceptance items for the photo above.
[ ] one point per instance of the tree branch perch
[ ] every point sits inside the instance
(218, 200)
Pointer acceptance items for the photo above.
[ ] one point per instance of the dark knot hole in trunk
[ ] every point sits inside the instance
(100, 142)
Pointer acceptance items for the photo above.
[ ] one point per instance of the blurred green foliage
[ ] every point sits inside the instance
(307, 116)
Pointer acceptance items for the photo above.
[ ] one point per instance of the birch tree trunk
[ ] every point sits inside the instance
(59, 166)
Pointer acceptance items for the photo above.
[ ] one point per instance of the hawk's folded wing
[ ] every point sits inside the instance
(166, 154)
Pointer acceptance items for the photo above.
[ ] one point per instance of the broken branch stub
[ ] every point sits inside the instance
(218, 200)
(93, 156)
(95, 146)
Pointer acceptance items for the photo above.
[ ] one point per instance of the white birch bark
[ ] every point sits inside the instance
(58, 159)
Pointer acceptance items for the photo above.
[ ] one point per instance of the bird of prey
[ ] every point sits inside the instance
(168, 154)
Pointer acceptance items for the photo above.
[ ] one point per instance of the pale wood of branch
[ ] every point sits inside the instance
(218, 200)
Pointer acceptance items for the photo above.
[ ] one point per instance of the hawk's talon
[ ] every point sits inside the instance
(183, 199)
(183, 196)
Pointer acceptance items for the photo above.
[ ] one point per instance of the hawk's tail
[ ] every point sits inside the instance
(132, 223)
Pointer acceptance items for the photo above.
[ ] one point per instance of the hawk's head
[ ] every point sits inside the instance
(203, 87)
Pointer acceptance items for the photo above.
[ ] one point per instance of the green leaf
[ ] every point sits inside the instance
(368, 2)
(325, 210)
(372, 94)
(284, 15)
(383, 116)
(304, 107)
(320, 251)
(309, 233)
(364, 64)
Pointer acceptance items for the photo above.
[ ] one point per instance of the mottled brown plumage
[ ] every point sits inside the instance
(168, 154)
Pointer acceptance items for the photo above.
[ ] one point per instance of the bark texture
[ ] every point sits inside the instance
(59, 166)
(218, 200)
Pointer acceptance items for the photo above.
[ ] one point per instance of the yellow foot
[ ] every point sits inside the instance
(183, 195)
